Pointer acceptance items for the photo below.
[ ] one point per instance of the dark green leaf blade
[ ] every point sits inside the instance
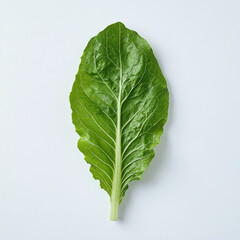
(119, 104)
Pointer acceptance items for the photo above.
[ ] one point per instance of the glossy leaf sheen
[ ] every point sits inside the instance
(119, 104)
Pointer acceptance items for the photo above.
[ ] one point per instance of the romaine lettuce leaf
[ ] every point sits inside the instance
(119, 104)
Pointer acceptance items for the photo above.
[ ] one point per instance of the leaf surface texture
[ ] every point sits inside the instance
(119, 104)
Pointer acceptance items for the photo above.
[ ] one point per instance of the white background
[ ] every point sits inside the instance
(191, 191)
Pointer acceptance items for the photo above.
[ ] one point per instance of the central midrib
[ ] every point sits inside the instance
(116, 184)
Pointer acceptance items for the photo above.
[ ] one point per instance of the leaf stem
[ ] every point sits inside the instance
(117, 179)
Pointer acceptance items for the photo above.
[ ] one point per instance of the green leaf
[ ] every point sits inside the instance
(119, 104)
